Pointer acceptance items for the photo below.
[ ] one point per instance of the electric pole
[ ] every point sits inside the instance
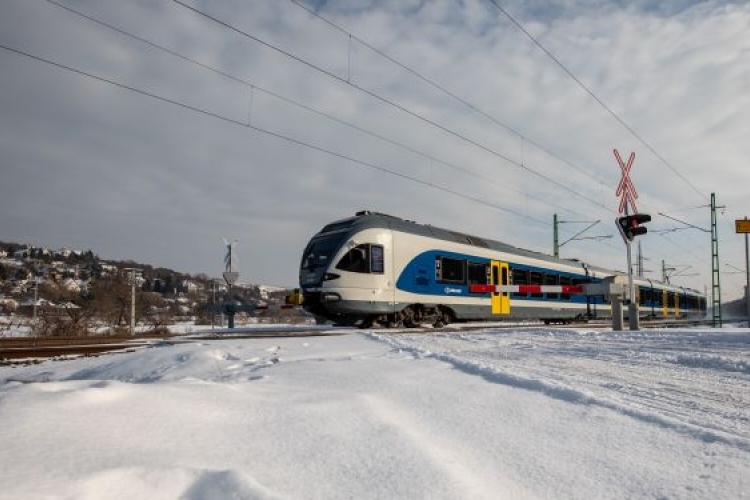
(715, 272)
(132, 271)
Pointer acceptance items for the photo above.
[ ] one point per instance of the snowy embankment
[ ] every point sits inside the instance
(529, 413)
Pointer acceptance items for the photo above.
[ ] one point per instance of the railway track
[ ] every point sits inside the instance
(32, 349)
(27, 349)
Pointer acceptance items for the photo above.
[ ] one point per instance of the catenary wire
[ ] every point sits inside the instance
(288, 100)
(271, 133)
(446, 91)
(247, 83)
(595, 97)
(234, 78)
(390, 103)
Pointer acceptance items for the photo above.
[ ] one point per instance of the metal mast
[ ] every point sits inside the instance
(556, 240)
(715, 274)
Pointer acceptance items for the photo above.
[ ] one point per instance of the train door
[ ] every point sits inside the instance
(677, 304)
(500, 275)
(665, 303)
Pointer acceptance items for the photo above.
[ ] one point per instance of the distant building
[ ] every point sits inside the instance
(109, 269)
(22, 253)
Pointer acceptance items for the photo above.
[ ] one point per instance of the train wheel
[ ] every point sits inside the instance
(366, 323)
(408, 318)
(442, 317)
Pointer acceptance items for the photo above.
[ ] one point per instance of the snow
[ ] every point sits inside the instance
(522, 413)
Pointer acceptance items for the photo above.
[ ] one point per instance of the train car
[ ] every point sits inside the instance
(376, 268)
(665, 301)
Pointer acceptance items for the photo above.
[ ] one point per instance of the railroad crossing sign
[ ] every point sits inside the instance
(626, 189)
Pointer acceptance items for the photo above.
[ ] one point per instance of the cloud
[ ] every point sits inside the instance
(86, 164)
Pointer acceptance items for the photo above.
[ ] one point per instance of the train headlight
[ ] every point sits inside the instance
(330, 276)
(330, 297)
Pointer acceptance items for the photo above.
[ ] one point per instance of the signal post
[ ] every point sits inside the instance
(629, 227)
(743, 227)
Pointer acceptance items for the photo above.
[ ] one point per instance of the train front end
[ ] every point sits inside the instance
(342, 272)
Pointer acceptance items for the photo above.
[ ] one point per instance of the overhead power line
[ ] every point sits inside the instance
(270, 133)
(391, 103)
(594, 96)
(687, 224)
(444, 90)
(338, 120)
(300, 105)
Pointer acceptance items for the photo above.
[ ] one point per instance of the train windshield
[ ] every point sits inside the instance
(319, 252)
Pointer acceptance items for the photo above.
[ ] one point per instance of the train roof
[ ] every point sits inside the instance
(367, 219)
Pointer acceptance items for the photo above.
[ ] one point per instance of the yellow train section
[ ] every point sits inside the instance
(500, 275)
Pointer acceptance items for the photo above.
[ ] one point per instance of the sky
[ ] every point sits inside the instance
(266, 122)
(489, 413)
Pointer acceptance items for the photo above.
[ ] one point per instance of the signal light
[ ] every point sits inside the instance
(630, 225)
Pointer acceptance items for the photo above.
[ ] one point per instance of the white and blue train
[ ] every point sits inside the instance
(376, 268)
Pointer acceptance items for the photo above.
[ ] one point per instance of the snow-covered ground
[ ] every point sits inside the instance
(535, 413)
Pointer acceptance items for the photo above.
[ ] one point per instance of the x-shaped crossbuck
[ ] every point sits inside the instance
(626, 188)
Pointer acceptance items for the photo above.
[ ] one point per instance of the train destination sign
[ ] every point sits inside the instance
(742, 226)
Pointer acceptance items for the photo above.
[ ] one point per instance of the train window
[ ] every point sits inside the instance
(519, 277)
(670, 300)
(377, 264)
(642, 291)
(478, 273)
(319, 251)
(451, 270)
(356, 260)
(552, 279)
(565, 280)
(536, 278)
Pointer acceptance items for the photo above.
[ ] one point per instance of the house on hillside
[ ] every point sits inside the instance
(109, 270)
(74, 285)
(191, 287)
(22, 253)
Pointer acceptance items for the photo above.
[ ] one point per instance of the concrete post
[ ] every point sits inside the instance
(617, 322)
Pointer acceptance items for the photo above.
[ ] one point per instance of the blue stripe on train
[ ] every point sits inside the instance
(420, 276)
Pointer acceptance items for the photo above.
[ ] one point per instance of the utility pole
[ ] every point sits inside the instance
(715, 272)
(132, 271)
(230, 276)
(36, 295)
(555, 237)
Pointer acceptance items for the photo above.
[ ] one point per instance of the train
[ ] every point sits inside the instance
(374, 268)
